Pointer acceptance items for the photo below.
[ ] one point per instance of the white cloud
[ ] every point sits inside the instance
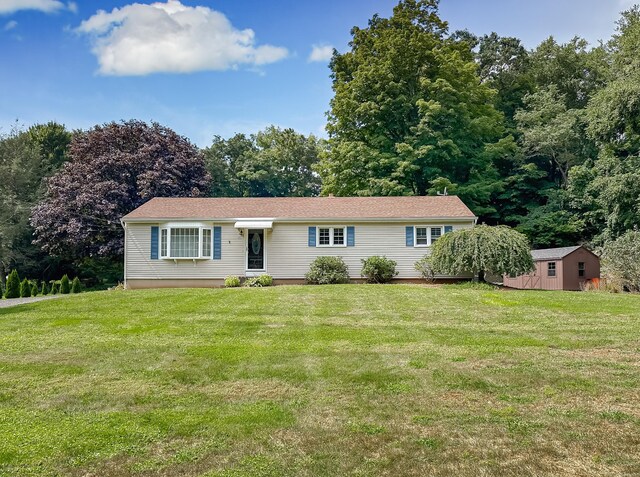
(10, 25)
(72, 7)
(170, 37)
(47, 6)
(321, 53)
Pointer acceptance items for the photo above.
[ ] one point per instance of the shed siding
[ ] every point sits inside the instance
(288, 253)
(570, 269)
(539, 278)
(566, 273)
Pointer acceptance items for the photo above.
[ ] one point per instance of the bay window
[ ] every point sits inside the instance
(184, 242)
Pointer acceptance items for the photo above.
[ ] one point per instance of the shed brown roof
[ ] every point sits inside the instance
(302, 207)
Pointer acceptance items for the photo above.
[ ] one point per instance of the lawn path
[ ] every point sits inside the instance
(22, 301)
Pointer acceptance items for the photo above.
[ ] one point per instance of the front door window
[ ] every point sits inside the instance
(255, 249)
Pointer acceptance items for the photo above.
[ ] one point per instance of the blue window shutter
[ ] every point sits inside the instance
(217, 243)
(448, 228)
(155, 232)
(409, 234)
(351, 236)
(312, 236)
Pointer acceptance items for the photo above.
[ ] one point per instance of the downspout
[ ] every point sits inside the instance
(124, 226)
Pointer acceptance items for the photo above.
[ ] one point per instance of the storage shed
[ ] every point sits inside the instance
(564, 268)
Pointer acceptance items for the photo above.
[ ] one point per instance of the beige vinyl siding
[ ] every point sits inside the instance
(287, 252)
(140, 265)
(290, 255)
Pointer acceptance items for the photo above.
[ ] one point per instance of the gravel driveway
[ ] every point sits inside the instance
(20, 301)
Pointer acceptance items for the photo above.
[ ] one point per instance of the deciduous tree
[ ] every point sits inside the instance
(113, 169)
(272, 163)
(482, 250)
(408, 108)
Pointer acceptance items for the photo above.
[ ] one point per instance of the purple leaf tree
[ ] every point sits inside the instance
(113, 169)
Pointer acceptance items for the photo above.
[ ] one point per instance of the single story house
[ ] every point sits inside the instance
(564, 268)
(197, 242)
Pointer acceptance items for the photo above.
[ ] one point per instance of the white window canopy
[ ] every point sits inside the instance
(254, 224)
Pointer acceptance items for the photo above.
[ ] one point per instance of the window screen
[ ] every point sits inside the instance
(421, 236)
(206, 242)
(185, 242)
(324, 237)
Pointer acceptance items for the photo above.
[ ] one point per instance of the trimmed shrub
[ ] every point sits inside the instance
(13, 285)
(65, 285)
(1, 290)
(45, 288)
(232, 281)
(54, 287)
(426, 270)
(34, 287)
(327, 271)
(25, 288)
(378, 269)
(76, 286)
(261, 281)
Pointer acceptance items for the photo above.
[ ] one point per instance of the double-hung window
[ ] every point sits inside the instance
(422, 236)
(436, 233)
(185, 242)
(581, 269)
(426, 236)
(551, 269)
(331, 237)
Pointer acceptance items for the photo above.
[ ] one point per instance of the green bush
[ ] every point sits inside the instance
(13, 285)
(621, 262)
(378, 269)
(55, 287)
(65, 285)
(261, 281)
(45, 288)
(25, 288)
(34, 287)
(76, 286)
(426, 270)
(232, 281)
(1, 290)
(327, 271)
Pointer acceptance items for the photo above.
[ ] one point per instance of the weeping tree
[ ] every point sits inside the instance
(482, 250)
(621, 260)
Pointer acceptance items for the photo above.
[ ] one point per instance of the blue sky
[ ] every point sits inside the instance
(64, 61)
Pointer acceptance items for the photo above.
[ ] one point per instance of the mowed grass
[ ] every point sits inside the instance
(311, 381)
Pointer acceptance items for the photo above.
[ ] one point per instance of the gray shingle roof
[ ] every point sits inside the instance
(553, 253)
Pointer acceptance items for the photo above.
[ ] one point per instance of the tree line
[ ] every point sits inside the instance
(546, 140)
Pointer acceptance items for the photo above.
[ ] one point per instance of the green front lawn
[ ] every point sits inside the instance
(311, 381)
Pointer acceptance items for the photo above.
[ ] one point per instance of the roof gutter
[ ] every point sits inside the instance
(124, 226)
(301, 219)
